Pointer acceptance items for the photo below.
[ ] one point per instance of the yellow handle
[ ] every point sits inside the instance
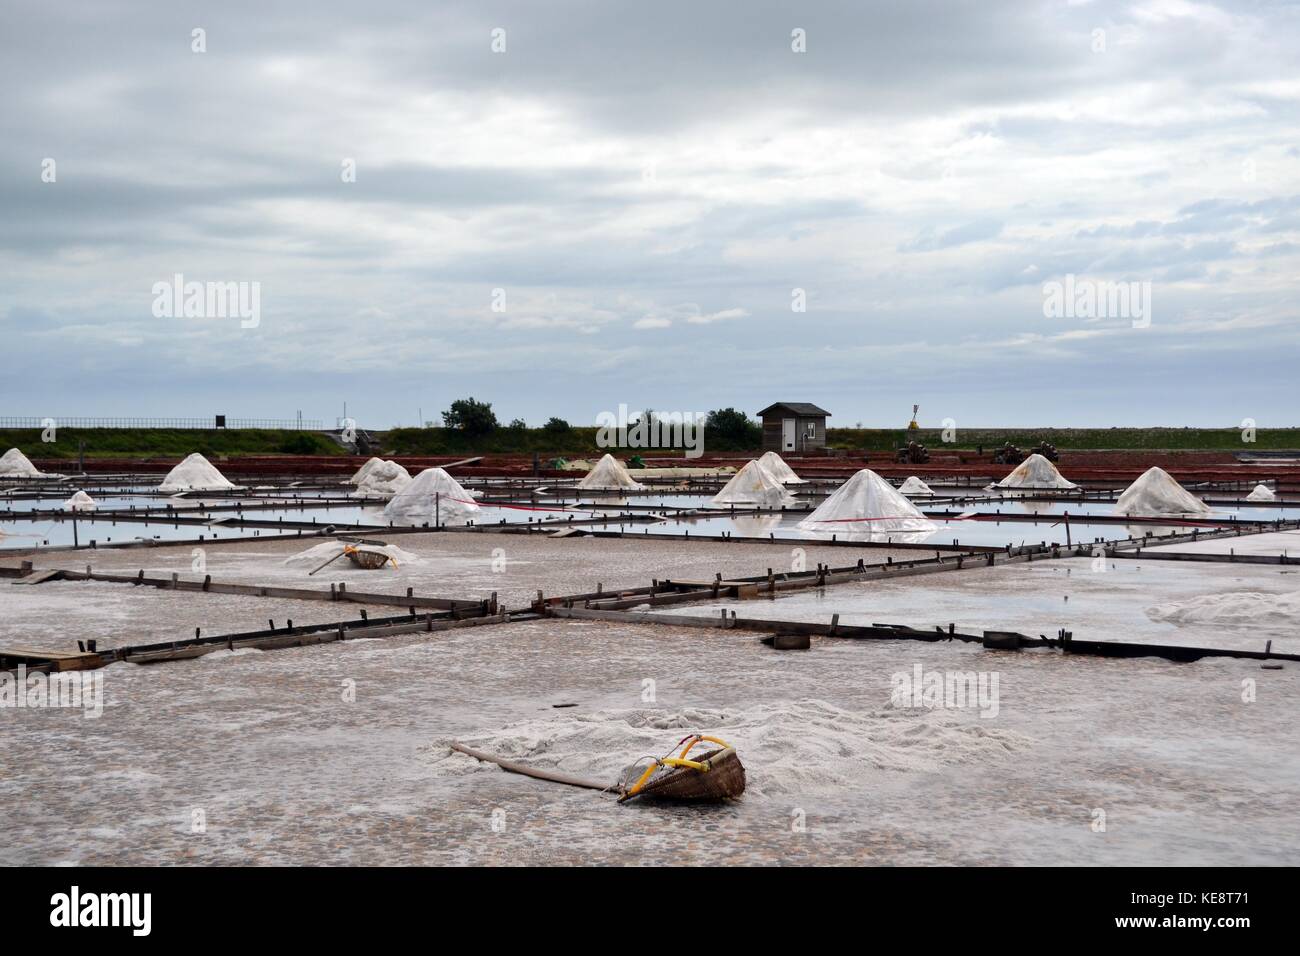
(679, 761)
(699, 737)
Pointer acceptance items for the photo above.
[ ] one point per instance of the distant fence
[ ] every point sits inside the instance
(193, 424)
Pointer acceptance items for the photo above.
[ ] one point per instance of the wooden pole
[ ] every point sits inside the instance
(519, 768)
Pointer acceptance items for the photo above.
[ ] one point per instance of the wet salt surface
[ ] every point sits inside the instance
(22, 535)
(470, 565)
(1269, 544)
(1042, 597)
(103, 502)
(982, 533)
(57, 614)
(285, 771)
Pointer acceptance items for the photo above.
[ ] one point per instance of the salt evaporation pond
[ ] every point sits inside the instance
(56, 503)
(1149, 602)
(61, 533)
(977, 532)
(1268, 544)
(287, 771)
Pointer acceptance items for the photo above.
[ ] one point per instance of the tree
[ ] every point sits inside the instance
(470, 416)
(556, 425)
(733, 429)
(517, 425)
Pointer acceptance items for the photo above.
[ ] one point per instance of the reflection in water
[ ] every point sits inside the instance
(875, 536)
(755, 525)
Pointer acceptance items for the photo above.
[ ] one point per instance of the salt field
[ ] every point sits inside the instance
(673, 436)
(1153, 602)
(269, 655)
(1177, 758)
(1184, 771)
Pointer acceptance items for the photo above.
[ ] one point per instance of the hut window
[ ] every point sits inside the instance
(812, 429)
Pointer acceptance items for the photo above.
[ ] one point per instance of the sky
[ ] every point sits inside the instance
(565, 207)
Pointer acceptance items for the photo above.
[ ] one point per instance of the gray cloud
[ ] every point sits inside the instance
(648, 184)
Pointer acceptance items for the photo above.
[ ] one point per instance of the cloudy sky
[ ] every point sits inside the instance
(648, 184)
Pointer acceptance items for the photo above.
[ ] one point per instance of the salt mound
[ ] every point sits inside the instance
(788, 747)
(753, 485)
(1035, 472)
(869, 503)
(1245, 608)
(195, 473)
(383, 479)
(14, 464)
(779, 470)
(431, 496)
(915, 486)
(80, 502)
(609, 473)
(1156, 493)
(364, 470)
(314, 557)
(1262, 492)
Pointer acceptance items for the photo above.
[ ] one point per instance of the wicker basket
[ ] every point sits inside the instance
(369, 560)
(724, 780)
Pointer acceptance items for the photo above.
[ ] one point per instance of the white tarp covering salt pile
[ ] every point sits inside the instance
(364, 470)
(431, 497)
(1261, 492)
(80, 502)
(1035, 472)
(14, 464)
(383, 479)
(866, 503)
(1156, 493)
(314, 557)
(914, 486)
(610, 474)
(195, 473)
(755, 487)
(778, 469)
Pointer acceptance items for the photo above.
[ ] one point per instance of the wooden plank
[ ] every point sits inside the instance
(1197, 556)
(43, 654)
(56, 660)
(38, 577)
(341, 593)
(895, 632)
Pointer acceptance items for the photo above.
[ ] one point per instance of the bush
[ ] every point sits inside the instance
(299, 444)
(556, 425)
(470, 416)
(729, 429)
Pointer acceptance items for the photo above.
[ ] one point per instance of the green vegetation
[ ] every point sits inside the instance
(726, 432)
(1077, 439)
(471, 417)
(167, 443)
(732, 430)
